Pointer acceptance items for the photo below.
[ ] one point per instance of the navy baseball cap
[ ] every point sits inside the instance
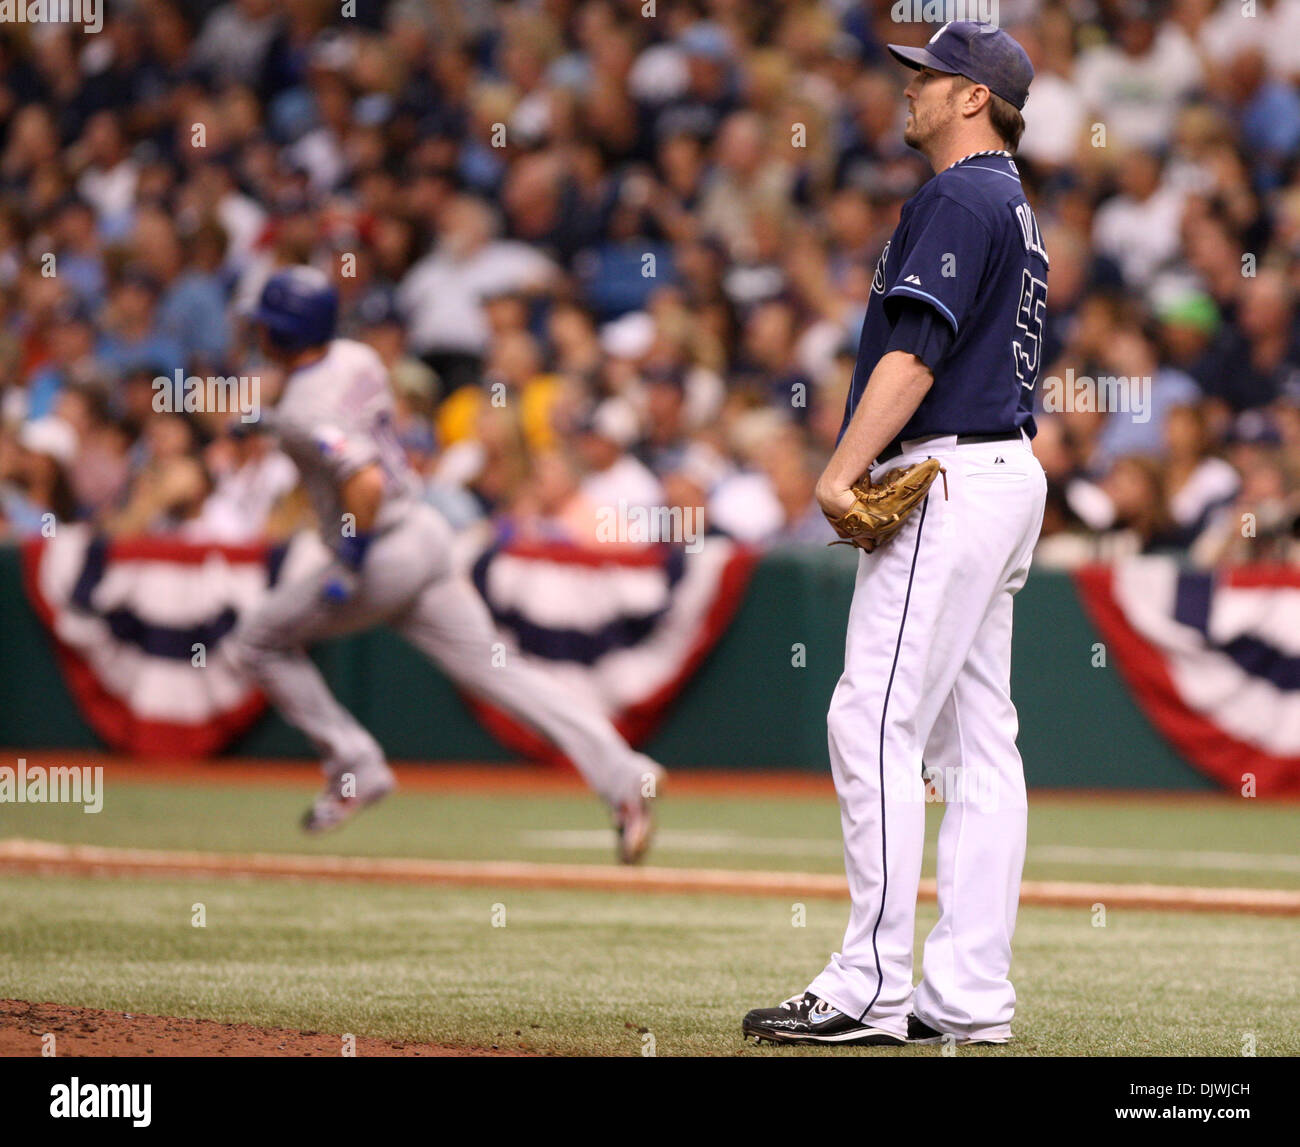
(980, 52)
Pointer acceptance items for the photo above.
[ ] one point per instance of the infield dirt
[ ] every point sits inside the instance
(92, 1032)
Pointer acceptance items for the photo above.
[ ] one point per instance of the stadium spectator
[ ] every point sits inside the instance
(1262, 524)
(1134, 83)
(249, 477)
(1142, 393)
(236, 40)
(101, 472)
(1056, 118)
(615, 477)
(70, 361)
(1198, 482)
(35, 491)
(442, 295)
(1139, 227)
(133, 334)
(171, 483)
(1136, 488)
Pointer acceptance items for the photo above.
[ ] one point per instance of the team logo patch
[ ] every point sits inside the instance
(878, 280)
(820, 1011)
(330, 440)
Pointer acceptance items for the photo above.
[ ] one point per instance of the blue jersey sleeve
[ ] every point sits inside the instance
(946, 251)
(919, 330)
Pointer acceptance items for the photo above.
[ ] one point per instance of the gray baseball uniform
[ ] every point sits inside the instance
(334, 418)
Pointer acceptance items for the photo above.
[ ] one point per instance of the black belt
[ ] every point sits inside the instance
(895, 448)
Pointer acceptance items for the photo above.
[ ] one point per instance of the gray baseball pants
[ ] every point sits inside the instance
(407, 583)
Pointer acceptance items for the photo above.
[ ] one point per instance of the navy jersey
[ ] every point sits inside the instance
(968, 246)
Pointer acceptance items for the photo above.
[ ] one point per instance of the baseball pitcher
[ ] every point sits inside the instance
(933, 479)
(390, 563)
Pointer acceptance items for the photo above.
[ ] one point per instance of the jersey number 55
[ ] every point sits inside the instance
(1027, 347)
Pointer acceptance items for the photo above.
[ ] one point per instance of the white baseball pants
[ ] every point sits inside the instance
(927, 678)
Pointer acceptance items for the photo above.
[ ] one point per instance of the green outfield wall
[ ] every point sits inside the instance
(751, 706)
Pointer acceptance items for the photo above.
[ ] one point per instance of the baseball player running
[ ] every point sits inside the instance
(946, 368)
(389, 563)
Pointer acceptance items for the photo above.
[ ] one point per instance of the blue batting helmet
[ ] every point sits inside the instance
(298, 307)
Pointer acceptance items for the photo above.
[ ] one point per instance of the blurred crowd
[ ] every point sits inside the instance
(613, 258)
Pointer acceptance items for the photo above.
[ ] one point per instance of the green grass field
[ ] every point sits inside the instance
(585, 972)
(1232, 842)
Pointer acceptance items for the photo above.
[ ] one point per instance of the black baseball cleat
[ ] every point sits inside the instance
(918, 1031)
(805, 1019)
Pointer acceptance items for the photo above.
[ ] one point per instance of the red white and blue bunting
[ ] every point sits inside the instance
(1213, 659)
(625, 627)
(131, 620)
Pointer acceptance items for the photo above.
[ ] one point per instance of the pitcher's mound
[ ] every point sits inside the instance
(92, 1032)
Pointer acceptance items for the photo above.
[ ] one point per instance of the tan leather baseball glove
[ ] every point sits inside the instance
(882, 507)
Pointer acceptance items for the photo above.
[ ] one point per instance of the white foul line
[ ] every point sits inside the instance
(597, 840)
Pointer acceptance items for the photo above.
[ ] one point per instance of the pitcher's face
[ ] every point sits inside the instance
(931, 107)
